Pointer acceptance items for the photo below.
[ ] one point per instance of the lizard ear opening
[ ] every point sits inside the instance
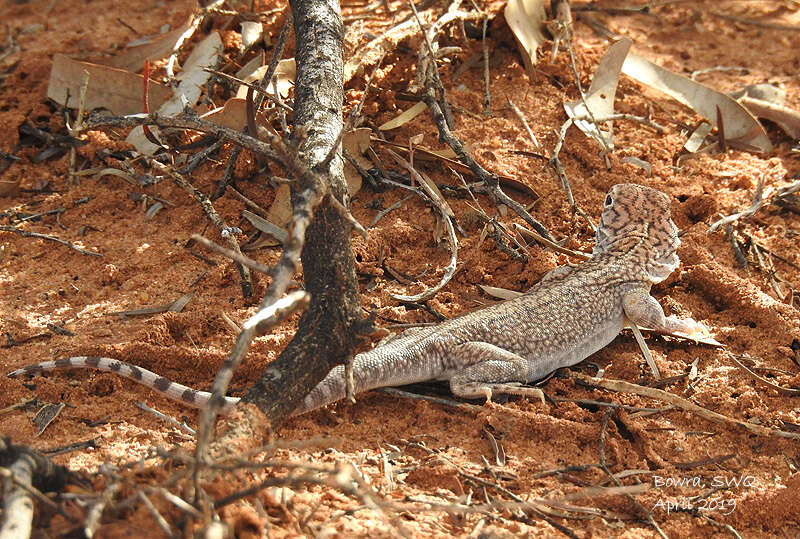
(609, 201)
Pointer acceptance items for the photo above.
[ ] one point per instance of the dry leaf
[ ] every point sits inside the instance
(404, 117)
(417, 139)
(526, 20)
(192, 78)
(250, 67)
(433, 191)
(285, 72)
(266, 227)
(697, 137)
(233, 114)
(786, 118)
(768, 102)
(740, 126)
(356, 142)
(110, 88)
(280, 212)
(251, 33)
(599, 98)
(500, 293)
(46, 415)
(133, 58)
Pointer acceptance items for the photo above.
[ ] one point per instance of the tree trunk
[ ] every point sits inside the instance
(326, 334)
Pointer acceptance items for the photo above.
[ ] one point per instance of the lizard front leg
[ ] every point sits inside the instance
(495, 367)
(642, 309)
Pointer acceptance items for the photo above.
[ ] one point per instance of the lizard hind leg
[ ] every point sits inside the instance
(492, 370)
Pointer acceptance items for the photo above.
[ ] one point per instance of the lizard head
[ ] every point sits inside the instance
(637, 216)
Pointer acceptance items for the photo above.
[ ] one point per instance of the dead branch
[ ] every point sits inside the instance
(25, 474)
(27, 234)
(225, 231)
(186, 120)
(683, 404)
(327, 329)
(446, 214)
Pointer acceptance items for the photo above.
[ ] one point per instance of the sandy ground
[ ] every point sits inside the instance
(700, 478)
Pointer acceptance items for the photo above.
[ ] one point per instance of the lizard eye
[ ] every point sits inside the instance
(608, 200)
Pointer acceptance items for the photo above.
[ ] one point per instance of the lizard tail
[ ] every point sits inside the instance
(168, 388)
(332, 388)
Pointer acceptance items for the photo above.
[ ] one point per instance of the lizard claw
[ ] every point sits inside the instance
(693, 329)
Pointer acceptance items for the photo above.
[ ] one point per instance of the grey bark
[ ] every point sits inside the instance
(326, 334)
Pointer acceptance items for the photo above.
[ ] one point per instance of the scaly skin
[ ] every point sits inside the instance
(570, 314)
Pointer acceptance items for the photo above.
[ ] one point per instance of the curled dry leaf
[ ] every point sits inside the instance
(526, 20)
(404, 117)
(46, 415)
(599, 100)
(285, 73)
(251, 33)
(233, 114)
(109, 88)
(159, 47)
(768, 102)
(740, 126)
(192, 79)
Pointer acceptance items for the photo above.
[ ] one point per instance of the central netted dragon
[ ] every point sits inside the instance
(570, 314)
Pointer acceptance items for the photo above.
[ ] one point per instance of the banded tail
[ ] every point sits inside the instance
(168, 388)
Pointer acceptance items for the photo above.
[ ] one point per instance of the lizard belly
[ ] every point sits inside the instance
(539, 367)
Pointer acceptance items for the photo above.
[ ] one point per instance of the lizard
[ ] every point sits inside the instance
(571, 313)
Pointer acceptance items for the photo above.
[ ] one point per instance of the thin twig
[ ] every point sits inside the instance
(27, 234)
(758, 200)
(759, 24)
(683, 404)
(648, 356)
(219, 222)
(234, 255)
(487, 96)
(450, 269)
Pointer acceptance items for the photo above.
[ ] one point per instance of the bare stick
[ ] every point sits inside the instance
(233, 255)
(683, 404)
(27, 234)
(551, 244)
(492, 186)
(256, 87)
(785, 390)
(219, 222)
(555, 162)
(450, 269)
(648, 356)
(759, 24)
(758, 200)
(184, 121)
(525, 124)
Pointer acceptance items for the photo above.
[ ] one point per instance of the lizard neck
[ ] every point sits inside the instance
(650, 247)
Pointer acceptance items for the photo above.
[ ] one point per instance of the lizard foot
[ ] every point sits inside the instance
(690, 328)
(518, 389)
